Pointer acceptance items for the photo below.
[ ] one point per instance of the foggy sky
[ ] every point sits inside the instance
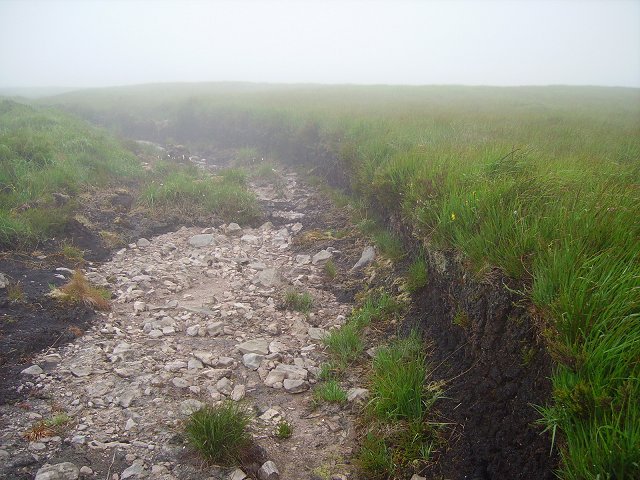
(99, 43)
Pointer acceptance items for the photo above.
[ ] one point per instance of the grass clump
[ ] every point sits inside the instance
(71, 252)
(219, 433)
(398, 381)
(417, 275)
(400, 437)
(344, 344)
(187, 190)
(300, 302)
(461, 319)
(375, 457)
(389, 245)
(80, 291)
(15, 292)
(377, 306)
(330, 269)
(331, 392)
(284, 430)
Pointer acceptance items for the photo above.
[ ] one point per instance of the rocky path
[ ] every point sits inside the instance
(197, 319)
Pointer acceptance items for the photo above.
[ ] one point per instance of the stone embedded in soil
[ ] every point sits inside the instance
(233, 229)
(4, 281)
(295, 386)
(357, 394)
(143, 242)
(32, 370)
(59, 471)
(252, 360)
(189, 406)
(133, 471)
(258, 346)
(317, 333)
(81, 371)
(268, 471)
(303, 259)
(202, 240)
(237, 474)
(367, 257)
(269, 277)
(321, 257)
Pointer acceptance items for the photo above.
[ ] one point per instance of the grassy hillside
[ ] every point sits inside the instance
(543, 183)
(46, 157)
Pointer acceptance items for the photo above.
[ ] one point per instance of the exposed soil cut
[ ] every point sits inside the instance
(485, 348)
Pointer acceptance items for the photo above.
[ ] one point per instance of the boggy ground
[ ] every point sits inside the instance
(189, 307)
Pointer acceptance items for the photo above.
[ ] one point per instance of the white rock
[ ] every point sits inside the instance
(317, 333)
(274, 378)
(238, 393)
(60, 471)
(187, 407)
(237, 474)
(139, 307)
(259, 346)
(224, 386)
(4, 281)
(303, 259)
(252, 360)
(34, 370)
(202, 240)
(85, 470)
(295, 386)
(143, 242)
(357, 394)
(321, 257)
(133, 471)
(268, 471)
(233, 229)
(215, 328)
(81, 371)
(250, 239)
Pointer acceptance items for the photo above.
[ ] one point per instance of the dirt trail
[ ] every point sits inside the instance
(197, 319)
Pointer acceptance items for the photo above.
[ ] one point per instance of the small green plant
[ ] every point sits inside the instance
(389, 245)
(219, 432)
(461, 319)
(344, 344)
(417, 276)
(375, 457)
(15, 293)
(71, 252)
(284, 430)
(330, 391)
(328, 371)
(398, 381)
(330, 269)
(300, 302)
(57, 420)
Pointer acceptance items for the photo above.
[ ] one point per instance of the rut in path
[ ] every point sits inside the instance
(196, 320)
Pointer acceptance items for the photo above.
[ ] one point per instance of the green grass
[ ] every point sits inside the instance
(330, 269)
(378, 306)
(344, 344)
(219, 433)
(389, 244)
(42, 152)
(330, 391)
(187, 190)
(71, 252)
(300, 302)
(284, 430)
(417, 275)
(540, 182)
(400, 437)
(398, 379)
